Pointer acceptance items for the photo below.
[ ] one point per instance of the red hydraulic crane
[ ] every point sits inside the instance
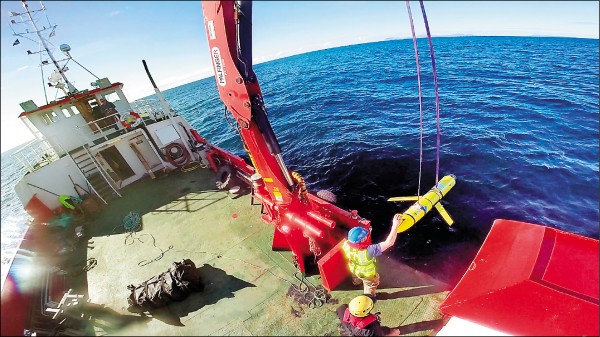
(305, 224)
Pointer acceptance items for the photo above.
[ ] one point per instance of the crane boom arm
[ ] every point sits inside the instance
(229, 33)
(304, 224)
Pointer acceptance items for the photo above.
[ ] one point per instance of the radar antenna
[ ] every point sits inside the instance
(58, 79)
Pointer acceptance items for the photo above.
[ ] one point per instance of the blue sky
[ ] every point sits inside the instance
(110, 38)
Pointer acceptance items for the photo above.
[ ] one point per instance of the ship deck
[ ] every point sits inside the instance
(247, 286)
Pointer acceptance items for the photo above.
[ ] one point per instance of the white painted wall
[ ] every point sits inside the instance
(122, 145)
(62, 134)
(54, 178)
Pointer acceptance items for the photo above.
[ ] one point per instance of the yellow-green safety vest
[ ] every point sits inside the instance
(360, 262)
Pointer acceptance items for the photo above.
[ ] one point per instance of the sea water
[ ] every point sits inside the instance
(518, 121)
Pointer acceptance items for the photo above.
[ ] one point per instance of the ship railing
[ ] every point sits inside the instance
(103, 129)
(151, 108)
(109, 127)
(35, 155)
(106, 127)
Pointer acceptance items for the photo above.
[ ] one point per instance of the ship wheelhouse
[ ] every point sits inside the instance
(78, 149)
(76, 120)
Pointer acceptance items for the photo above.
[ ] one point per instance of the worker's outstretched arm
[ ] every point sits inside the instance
(391, 238)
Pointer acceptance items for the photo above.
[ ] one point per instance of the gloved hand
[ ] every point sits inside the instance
(396, 220)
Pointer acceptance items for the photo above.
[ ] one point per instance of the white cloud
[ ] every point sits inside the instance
(22, 68)
(114, 13)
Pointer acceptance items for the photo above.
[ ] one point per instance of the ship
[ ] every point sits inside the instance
(132, 198)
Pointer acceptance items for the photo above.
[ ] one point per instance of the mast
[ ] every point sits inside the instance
(59, 70)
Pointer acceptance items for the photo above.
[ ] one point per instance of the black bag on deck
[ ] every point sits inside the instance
(173, 285)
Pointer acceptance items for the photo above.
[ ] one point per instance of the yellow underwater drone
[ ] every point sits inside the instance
(426, 203)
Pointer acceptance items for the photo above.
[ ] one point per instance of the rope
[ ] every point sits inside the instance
(302, 192)
(314, 247)
(437, 98)
(190, 166)
(49, 24)
(411, 312)
(412, 27)
(314, 297)
(132, 222)
(160, 256)
(234, 127)
(89, 264)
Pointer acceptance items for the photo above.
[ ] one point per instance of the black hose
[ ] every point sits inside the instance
(149, 76)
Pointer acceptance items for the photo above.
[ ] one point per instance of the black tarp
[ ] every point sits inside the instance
(174, 284)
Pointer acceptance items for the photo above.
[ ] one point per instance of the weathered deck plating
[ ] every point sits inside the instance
(248, 287)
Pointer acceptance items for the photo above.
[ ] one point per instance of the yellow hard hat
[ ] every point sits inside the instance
(360, 306)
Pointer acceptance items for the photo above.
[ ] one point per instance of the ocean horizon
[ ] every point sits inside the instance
(519, 129)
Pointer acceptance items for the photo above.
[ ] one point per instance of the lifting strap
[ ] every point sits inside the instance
(435, 84)
(437, 98)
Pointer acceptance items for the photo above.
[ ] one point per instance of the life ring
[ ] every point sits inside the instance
(131, 119)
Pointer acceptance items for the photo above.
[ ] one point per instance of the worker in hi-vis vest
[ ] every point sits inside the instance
(361, 255)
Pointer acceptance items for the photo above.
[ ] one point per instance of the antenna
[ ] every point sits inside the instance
(59, 73)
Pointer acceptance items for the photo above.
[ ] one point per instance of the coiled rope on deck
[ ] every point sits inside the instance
(132, 222)
(313, 296)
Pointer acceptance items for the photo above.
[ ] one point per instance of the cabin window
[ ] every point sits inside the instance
(75, 110)
(50, 117)
(66, 112)
(112, 97)
(46, 118)
(95, 109)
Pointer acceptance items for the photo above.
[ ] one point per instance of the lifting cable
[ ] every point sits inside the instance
(437, 98)
(412, 27)
(435, 85)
